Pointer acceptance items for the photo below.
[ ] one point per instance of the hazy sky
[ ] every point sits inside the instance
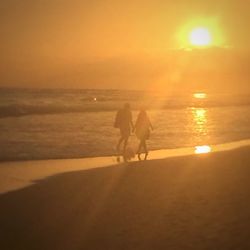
(124, 44)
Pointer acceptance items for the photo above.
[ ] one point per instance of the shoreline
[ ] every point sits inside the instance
(16, 175)
(154, 154)
(185, 202)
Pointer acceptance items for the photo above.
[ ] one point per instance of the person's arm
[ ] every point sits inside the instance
(150, 124)
(131, 123)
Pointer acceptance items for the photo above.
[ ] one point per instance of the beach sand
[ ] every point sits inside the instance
(186, 202)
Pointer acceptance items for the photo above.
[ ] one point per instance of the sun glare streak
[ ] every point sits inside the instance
(202, 149)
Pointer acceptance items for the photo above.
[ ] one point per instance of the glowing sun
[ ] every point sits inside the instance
(200, 37)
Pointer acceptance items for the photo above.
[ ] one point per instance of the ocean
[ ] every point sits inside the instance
(63, 123)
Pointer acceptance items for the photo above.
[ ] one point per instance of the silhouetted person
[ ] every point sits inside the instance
(124, 122)
(142, 131)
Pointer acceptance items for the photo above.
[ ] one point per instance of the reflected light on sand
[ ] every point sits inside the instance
(202, 149)
(200, 95)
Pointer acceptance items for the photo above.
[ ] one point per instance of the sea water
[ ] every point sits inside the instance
(63, 123)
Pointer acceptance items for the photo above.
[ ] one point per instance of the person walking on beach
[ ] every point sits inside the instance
(123, 121)
(142, 131)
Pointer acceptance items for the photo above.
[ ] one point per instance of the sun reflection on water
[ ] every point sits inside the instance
(200, 121)
(202, 149)
(200, 128)
(200, 95)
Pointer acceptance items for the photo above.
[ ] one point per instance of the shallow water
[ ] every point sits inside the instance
(71, 133)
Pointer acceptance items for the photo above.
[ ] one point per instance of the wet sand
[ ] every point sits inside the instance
(188, 202)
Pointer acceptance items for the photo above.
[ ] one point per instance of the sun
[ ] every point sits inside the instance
(200, 37)
(200, 32)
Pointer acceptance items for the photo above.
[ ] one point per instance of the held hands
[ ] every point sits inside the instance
(133, 129)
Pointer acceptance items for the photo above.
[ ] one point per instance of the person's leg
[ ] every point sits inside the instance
(126, 134)
(124, 149)
(125, 144)
(145, 146)
(118, 148)
(145, 149)
(119, 144)
(139, 149)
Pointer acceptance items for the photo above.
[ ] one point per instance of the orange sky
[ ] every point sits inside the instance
(121, 44)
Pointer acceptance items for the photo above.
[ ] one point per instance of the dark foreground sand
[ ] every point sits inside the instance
(191, 202)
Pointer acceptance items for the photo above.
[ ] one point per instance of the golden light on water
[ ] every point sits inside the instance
(202, 149)
(200, 121)
(200, 128)
(200, 115)
(200, 125)
(200, 95)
